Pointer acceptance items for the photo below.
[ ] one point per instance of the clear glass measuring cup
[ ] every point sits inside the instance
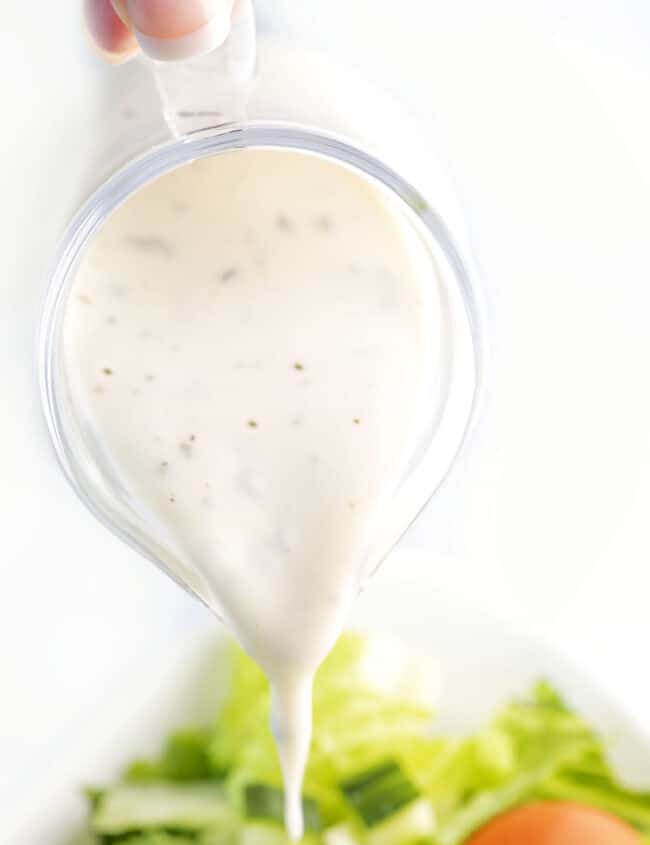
(257, 93)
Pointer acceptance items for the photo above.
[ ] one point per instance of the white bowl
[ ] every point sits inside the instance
(482, 662)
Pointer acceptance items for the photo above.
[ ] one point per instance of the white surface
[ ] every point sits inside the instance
(540, 110)
(479, 664)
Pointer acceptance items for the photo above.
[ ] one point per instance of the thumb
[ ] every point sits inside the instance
(171, 30)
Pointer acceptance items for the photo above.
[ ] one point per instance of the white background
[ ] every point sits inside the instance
(541, 111)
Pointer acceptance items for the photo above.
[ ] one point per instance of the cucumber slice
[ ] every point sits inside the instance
(379, 792)
(185, 807)
(267, 802)
(356, 784)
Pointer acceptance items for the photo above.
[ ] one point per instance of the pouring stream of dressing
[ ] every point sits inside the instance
(252, 343)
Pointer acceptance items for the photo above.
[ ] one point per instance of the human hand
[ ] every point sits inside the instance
(166, 30)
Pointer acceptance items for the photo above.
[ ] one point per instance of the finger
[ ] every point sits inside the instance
(169, 30)
(122, 11)
(111, 35)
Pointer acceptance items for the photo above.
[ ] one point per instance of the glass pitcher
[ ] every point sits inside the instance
(263, 92)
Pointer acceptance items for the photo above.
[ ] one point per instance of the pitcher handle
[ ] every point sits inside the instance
(211, 90)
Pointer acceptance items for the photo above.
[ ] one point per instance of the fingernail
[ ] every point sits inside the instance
(111, 37)
(173, 30)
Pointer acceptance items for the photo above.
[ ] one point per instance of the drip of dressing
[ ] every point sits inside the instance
(250, 346)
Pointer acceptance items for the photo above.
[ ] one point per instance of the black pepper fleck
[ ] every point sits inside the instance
(172, 499)
(298, 366)
(356, 420)
(228, 274)
(107, 371)
(151, 243)
(252, 424)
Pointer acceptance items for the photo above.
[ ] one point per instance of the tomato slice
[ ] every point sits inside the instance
(555, 823)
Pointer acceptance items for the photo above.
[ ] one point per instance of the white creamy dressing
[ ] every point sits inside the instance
(252, 341)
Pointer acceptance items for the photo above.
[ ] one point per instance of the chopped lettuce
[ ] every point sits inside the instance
(377, 775)
(184, 758)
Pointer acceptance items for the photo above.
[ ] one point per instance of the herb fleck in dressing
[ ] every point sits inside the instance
(301, 461)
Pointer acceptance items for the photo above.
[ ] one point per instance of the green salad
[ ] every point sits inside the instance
(378, 773)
